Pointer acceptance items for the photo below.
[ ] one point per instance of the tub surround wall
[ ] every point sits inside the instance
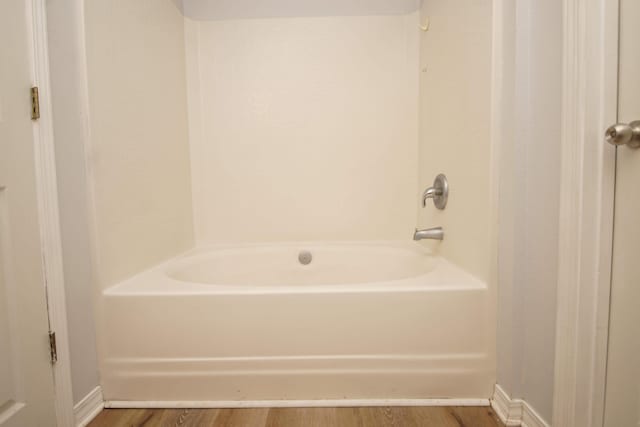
(455, 118)
(297, 129)
(140, 175)
(303, 128)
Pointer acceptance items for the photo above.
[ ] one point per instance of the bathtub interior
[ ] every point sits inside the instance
(220, 269)
(316, 129)
(278, 265)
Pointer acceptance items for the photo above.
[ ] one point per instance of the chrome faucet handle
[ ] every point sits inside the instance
(429, 193)
(439, 192)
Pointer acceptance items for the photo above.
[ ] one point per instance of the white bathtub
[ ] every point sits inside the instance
(228, 326)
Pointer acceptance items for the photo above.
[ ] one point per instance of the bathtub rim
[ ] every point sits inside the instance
(445, 276)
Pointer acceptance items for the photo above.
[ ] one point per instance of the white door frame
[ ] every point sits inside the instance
(590, 68)
(48, 214)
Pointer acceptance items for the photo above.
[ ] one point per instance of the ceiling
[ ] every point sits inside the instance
(213, 10)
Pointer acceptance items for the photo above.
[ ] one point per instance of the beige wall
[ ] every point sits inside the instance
(138, 151)
(455, 117)
(304, 128)
(64, 22)
(529, 201)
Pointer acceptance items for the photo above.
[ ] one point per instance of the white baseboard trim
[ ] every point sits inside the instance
(295, 403)
(515, 412)
(89, 407)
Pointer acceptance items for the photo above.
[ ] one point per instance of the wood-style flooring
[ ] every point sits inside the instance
(304, 417)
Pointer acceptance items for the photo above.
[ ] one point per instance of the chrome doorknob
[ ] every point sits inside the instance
(622, 134)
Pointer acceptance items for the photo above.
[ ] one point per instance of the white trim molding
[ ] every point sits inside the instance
(515, 412)
(337, 403)
(586, 210)
(48, 213)
(89, 407)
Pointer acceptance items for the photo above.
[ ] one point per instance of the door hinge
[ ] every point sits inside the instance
(53, 347)
(35, 103)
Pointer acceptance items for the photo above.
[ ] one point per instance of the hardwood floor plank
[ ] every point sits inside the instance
(349, 417)
(301, 417)
(432, 416)
(379, 416)
(475, 416)
(241, 417)
(124, 417)
(187, 417)
(309, 417)
(410, 417)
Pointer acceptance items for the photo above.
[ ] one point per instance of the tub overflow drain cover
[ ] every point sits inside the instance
(305, 257)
